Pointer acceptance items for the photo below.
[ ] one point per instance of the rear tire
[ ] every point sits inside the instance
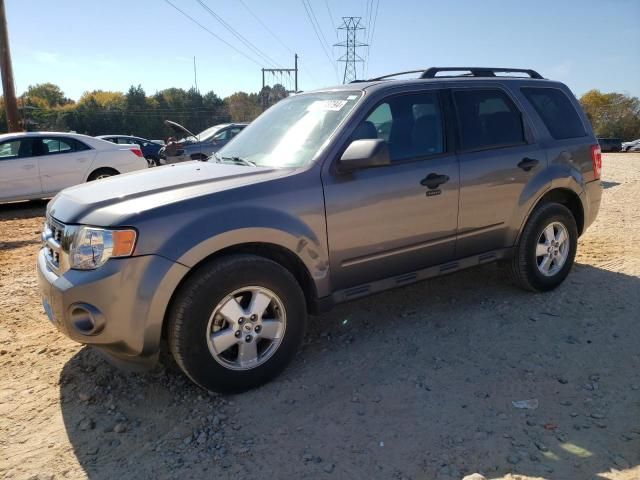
(102, 173)
(214, 334)
(543, 257)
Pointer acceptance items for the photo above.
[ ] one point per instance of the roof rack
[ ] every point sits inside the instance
(473, 72)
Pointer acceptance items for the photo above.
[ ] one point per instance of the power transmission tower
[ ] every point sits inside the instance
(275, 71)
(351, 26)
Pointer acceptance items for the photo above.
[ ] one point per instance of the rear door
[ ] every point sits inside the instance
(498, 156)
(387, 220)
(63, 162)
(19, 176)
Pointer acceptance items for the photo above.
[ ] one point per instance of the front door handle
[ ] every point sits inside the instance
(527, 164)
(434, 180)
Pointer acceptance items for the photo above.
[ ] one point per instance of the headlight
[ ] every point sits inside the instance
(92, 247)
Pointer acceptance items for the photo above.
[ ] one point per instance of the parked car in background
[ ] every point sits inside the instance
(632, 146)
(610, 144)
(40, 164)
(150, 148)
(200, 146)
(328, 196)
(159, 142)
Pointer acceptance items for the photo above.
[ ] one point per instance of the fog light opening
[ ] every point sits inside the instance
(86, 319)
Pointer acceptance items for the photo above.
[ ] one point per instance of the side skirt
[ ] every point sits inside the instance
(326, 303)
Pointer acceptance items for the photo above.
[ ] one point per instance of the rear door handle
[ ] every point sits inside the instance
(434, 180)
(28, 167)
(527, 164)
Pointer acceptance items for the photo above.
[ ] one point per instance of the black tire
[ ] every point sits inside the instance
(195, 302)
(102, 173)
(523, 267)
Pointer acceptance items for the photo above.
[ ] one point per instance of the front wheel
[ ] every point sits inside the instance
(236, 323)
(546, 250)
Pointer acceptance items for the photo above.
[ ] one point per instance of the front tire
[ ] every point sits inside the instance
(236, 323)
(546, 250)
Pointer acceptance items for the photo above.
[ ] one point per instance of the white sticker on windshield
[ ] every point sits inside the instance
(352, 97)
(327, 105)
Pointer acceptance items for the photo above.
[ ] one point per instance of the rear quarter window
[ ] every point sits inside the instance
(556, 111)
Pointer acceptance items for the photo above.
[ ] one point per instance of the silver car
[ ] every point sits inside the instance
(200, 146)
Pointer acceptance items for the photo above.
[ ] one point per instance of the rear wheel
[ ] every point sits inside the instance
(546, 250)
(236, 323)
(102, 173)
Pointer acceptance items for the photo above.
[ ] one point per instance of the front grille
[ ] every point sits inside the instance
(55, 245)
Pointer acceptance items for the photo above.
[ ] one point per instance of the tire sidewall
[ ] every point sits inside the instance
(196, 358)
(549, 214)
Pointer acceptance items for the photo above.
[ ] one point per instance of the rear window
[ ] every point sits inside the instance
(556, 111)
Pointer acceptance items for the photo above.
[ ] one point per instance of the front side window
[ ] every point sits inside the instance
(292, 132)
(410, 124)
(487, 119)
(19, 148)
(556, 111)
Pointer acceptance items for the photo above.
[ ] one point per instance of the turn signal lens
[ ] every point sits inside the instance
(123, 242)
(137, 152)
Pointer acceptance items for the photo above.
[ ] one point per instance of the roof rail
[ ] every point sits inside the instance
(473, 72)
(479, 71)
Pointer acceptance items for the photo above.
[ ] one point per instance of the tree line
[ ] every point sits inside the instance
(98, 112)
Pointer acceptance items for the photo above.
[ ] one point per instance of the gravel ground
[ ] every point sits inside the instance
(416, 383)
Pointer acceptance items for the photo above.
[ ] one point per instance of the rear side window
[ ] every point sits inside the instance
(556, 111)
(487, 119)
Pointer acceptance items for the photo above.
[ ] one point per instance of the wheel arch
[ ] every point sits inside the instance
(277, 253)
(563, 196)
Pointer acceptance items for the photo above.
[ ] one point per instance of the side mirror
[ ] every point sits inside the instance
(364, 153)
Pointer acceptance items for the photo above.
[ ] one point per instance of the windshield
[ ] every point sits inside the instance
(291, 133)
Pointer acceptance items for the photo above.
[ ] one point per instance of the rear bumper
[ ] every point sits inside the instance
(591, 198)
(118, 308)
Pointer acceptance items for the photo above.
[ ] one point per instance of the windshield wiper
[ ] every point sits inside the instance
(239, 161)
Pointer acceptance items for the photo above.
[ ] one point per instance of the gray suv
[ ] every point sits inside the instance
(328, 196)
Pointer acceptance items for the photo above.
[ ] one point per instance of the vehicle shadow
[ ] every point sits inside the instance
(413, 383)
(23, 210)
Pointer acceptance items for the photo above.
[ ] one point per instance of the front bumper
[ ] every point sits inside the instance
(118, 307)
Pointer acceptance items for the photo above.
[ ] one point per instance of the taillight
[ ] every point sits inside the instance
(137, 152)
(596, 160)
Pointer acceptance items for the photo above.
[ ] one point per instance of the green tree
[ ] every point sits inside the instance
(49, 93)
(612, 114)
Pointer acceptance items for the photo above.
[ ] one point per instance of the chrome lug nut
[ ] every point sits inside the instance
(247, 338)
(238, 334)
(241, 320)
(253, 317)
(258, 328)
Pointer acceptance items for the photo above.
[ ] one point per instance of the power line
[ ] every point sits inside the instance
(322, 44)
(371, 32)
(213, 34)
(333, 24)
(284, 45)
(238, 35)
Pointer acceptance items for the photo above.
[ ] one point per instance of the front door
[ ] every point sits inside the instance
(402, 217)
(497, 160)
(19, 177)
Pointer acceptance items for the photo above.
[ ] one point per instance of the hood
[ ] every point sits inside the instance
(179, 129)
(114, 200)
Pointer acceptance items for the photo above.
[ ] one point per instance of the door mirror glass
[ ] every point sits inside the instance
(365, 153)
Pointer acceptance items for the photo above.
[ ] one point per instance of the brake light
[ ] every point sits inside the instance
(596, 160)
(137, 152)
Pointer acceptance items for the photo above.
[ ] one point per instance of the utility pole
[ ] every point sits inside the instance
(275, 71)
(351, 25)
(195, 74)
(8, 89)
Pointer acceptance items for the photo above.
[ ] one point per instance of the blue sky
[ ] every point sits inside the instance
(86, 44)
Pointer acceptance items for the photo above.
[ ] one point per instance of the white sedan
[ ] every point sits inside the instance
(40, 164)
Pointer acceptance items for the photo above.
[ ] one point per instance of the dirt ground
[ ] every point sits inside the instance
(416, 383)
